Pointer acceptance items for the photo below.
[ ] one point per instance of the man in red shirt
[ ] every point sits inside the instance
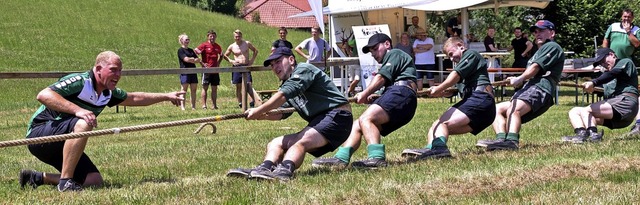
(211, 56)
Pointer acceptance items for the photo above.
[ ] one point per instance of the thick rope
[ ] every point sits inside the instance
(55, 138)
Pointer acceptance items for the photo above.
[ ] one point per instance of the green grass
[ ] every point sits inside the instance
(174, 166)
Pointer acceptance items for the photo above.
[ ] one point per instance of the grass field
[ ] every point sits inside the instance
(175, 166)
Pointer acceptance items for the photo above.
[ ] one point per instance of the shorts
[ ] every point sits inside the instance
(625, 109)
(354, 72)
(212, 79)
(480, 108)
(536, 98)
(335, 126)
(421, 71)
(188, 78)
(400, 103)
(236, 77)
(51, 153)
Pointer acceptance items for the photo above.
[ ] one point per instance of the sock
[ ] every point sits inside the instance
(344, 154)
(62, 182)
(429, 146)
(513, 136)
(578, 129)
(376, 151)
(39, 178)
(501, 135)
(289, 165)
(593, 129)
(267, 164)
(440, 142)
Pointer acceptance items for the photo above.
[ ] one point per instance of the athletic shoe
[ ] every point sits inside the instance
(28, 177)
(635, 129)
(578, 138)
(371, 163)
(596, 137)
(282, 173)
(435, 153)
(261, 173)
(70, 185)
(331, 162)
(239, 172)
(487, 142)
(411, 153)
(504, 145)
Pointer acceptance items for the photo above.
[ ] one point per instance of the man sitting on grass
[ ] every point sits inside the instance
(621, 93)
(316, 99)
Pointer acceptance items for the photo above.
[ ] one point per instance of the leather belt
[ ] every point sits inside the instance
(345, 107)
(407, 83)
(630, 95)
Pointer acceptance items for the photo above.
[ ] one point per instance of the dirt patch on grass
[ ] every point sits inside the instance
(519, 178)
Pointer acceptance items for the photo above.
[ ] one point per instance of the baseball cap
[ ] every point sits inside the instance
(374, 40)
(279, 52)
(601, 53)
(542, 24)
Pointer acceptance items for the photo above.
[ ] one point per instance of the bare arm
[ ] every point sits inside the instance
(605, 43)
(377, 83)
(55, 101)
(143, 99)
(492, 48)
(299, 51)
(255, 52)
(274, 102)
(529, 47)
(226, 55)
(634, 40)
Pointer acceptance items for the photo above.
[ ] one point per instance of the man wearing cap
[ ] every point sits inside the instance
(392, 110)
(425, 57)
(536, 97)
(316, 99)
(620, 83)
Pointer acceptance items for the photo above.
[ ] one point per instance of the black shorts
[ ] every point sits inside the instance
(335, 126)
(480, 108)
(536, 98)
(212, 79)
(421, 73)
(188, 78)
(236, 78)
(625, 109)
(51, 153)
(400, 103)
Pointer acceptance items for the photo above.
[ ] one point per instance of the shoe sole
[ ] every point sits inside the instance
(501, 148)
(237, 174)
(436, 156)
(320, 166)
(481, 145)
(261, 177)
(410, 154)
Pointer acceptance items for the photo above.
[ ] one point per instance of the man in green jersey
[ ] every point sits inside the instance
(316, 99)
(72, 105)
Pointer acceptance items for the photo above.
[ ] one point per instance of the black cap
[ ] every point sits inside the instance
(542, 24)
(601, 53)
(374, 40)
(279, 52)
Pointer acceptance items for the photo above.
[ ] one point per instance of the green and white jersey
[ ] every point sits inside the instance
(626, 81)
(550, 58)
(78, 88)
(310, 91)
(619, 40)
(472, 70)
(397, 65)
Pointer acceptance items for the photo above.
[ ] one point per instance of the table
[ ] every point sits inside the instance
(577, 71)
(491, 59)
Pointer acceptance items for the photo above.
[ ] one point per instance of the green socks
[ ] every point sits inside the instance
(440, 142)
(376, 151)
(501, 135)
(513, 136)
(344, 154)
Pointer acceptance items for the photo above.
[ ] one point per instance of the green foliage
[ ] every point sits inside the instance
(228, 7)
(255, 18)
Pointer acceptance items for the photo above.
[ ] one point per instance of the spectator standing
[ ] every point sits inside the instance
(316, 46)
(188, 59)
(521, 47)
(240, 50)
(413, 29)
(211, 54)
(454, 29)
(282, 41)
(424, 58)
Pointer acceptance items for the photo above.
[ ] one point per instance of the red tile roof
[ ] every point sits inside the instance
(276, 12)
